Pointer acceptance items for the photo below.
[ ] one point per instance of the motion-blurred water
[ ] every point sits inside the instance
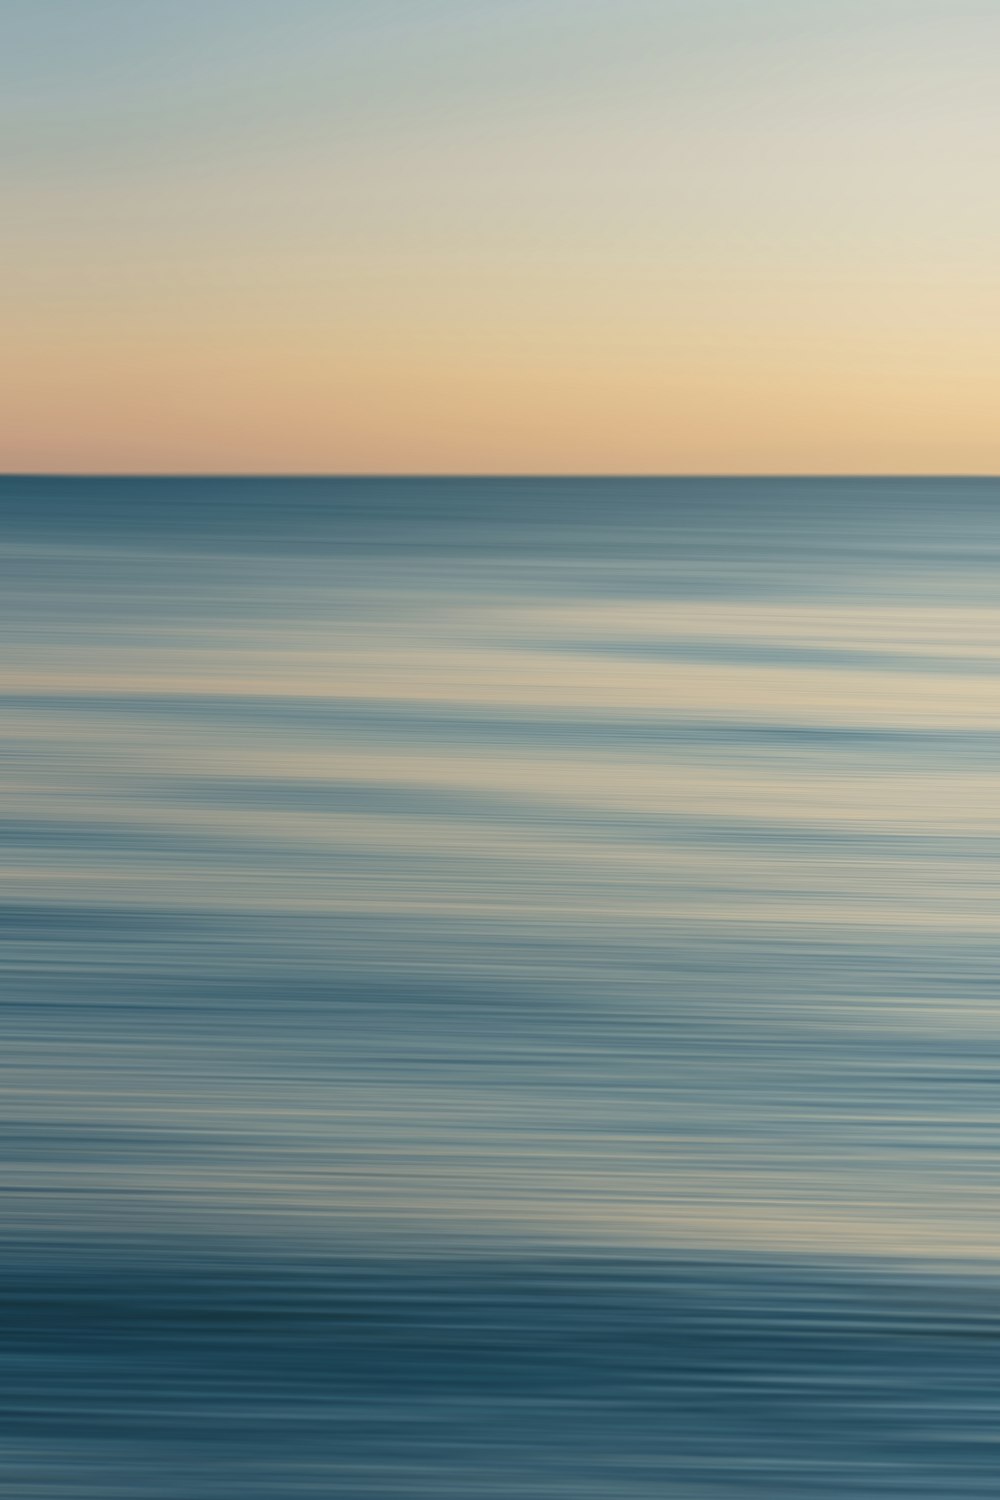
(500, 989)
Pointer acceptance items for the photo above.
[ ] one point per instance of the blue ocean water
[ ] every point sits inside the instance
(500, 989)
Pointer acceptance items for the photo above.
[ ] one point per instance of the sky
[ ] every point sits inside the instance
(500, 236)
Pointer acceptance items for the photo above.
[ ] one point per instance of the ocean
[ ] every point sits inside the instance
(500, 989)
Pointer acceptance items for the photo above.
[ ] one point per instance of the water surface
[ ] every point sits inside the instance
(500, 988)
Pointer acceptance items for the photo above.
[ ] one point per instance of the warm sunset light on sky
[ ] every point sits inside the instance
(633, 236)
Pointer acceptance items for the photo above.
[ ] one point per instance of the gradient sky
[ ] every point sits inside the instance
(635, 236)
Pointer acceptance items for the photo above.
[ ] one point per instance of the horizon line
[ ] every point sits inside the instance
(568, 474)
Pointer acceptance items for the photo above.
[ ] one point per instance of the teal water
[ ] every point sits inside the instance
(500, 989)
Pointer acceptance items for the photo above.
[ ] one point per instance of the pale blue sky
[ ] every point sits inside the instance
(552, 234)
